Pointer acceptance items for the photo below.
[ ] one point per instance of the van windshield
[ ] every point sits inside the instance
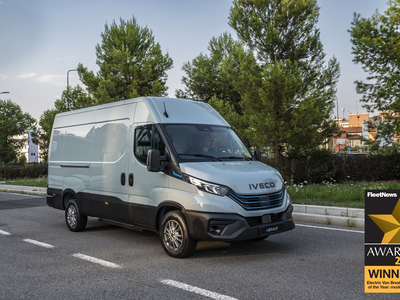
(193, 142)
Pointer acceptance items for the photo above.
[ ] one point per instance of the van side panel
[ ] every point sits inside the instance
(70, 148)
(88, 154)
(76, 157)
(109, 156)
(107, 196)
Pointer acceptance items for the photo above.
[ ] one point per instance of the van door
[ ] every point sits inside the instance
(147, 189)
(109, 167)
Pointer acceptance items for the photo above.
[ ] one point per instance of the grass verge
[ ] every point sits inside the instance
(36, 182)
(348, 194)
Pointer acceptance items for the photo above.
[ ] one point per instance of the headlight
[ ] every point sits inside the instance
(212, 188)
(288, 198)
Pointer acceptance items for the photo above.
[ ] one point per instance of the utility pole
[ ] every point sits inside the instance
(68, 85)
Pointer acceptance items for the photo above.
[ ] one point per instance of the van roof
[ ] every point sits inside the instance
(177, 110)
(183, 111)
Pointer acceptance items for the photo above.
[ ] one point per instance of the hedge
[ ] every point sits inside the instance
(338, 168)
(11, 172)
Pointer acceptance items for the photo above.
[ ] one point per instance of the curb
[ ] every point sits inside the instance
(23, 189)
(328, 215)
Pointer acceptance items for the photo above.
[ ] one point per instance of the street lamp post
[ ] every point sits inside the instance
(337, 120)
(68, 84)
(337, 108)
(68, 77)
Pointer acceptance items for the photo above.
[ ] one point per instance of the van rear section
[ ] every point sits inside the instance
(171, 166)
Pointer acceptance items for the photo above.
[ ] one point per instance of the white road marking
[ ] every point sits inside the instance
(38, 243)
(330, 228)
(4, 232)
(96, 260)
(196, 290)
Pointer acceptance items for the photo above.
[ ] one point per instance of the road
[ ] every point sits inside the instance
(41, 259)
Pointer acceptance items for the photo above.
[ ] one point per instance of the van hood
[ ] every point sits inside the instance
(243, 177)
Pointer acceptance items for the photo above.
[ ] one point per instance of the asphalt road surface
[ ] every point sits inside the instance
(41, 259)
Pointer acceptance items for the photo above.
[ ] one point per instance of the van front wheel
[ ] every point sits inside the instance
(74, 219)
(174, 235)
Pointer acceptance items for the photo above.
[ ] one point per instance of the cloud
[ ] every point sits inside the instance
(49, 78)
(27, 75)
(3, 76)
(53, 79)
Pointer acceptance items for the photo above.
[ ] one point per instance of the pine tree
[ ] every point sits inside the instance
(205, 78)
(286, 86)
(131, 64)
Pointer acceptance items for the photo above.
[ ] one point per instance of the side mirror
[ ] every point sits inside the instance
(153, 160)
(257, 155)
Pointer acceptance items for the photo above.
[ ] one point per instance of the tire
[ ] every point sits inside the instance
(74, 219)
(174, 235)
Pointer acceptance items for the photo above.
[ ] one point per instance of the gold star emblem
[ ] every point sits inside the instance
(390, 225)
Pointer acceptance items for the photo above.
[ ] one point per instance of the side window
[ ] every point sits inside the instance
(147, 137)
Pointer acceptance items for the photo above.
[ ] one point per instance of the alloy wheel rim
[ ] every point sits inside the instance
(72, 216)
(173, 235)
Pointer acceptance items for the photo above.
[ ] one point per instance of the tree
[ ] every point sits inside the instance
(71, 99)
(277, 69)
(205, 78)
(131, 64)
(286, 86)
(13, 122)
(376, 47)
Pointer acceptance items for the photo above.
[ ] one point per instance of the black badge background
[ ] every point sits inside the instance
(377, 206)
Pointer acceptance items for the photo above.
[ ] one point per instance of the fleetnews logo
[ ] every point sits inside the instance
(381, 194)
(382, 241)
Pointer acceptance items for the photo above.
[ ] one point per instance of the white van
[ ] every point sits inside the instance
(172, 166)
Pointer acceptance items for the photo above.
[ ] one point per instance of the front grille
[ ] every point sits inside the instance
(255, 202)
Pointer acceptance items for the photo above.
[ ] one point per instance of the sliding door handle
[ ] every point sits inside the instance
(130, 179)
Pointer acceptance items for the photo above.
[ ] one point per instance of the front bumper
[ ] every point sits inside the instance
(233, 227)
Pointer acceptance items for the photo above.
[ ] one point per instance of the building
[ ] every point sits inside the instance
(356, 120)
(352, 132)
(350, 137)
(30, 150)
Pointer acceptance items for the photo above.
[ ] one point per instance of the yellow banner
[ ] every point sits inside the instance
(382, 279)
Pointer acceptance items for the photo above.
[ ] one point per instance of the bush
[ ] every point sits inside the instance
(11, 172)
(320, 168)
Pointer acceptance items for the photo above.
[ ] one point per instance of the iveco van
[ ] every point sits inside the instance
(172, 166)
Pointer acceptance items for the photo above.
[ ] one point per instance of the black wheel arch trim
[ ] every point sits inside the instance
(161, 211)
(65, 201)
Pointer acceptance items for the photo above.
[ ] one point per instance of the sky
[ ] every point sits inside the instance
(41, 40)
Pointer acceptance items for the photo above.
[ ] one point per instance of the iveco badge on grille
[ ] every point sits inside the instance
(261, 185)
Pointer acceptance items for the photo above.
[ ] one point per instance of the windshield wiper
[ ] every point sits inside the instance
(200, 155)
(231, 157)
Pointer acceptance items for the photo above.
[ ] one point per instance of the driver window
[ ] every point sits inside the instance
(147, 137)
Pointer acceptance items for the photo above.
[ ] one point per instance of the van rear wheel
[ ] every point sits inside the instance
(174, 235)
(74, 219)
